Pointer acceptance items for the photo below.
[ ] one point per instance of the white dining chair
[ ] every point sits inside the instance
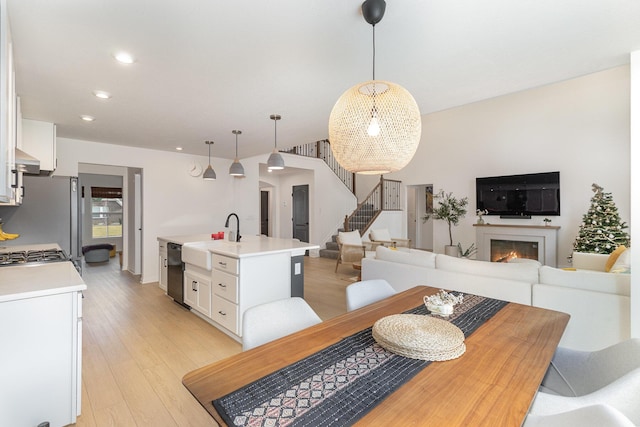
(266, 322)
(576, 373)
(589, 416)
(622, 394)
(367, 292)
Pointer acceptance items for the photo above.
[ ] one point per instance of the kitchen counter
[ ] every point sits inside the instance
(30, 281)
(41, 314)
(254, 246)
(248, 246)
(188, 238)
(222, 279)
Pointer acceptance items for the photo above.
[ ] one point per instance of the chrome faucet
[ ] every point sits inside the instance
(226, 224)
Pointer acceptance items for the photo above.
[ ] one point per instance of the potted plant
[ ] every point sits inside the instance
(450, 209)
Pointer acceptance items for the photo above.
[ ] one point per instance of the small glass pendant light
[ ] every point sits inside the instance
(236, 169)
(209, 174)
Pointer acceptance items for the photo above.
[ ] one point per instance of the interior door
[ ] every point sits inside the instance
(137, 265)
(300, 218)
(264, 213)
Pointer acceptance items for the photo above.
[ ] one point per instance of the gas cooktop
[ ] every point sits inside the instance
(32, 257)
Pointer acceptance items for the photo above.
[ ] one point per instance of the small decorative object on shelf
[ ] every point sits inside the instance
(442, 303)
(479, 213)
(547, 221)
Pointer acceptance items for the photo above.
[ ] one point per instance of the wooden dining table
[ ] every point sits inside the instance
(492, 384)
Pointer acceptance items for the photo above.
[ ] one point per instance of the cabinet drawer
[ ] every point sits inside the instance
(225, 313)
(225, 285)
(225, 263)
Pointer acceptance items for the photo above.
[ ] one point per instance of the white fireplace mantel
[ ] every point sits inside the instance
(545, 236)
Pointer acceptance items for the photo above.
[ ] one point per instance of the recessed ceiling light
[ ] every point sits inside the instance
(87, 118)
(101, 94)
(124, 58)
(178, 148)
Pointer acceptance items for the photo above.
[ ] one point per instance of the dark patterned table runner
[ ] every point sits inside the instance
(341, 383)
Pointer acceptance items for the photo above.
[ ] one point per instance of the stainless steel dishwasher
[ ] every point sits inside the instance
(175, 273)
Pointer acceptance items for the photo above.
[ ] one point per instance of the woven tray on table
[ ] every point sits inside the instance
(419, 337)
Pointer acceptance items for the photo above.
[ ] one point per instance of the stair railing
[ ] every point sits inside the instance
(385, 196)
(322, 150)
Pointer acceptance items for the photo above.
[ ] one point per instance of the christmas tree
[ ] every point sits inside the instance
(601, 230)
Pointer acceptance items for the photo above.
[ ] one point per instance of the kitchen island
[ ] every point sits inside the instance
(222, 279)
(41, 336)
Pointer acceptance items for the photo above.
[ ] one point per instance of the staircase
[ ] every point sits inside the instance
(384, 196)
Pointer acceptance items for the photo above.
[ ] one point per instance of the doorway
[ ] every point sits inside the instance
(130, 243)
(264, 213)
(419, 201)
(300, 207)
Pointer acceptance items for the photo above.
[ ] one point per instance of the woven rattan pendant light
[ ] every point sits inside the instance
(236, 168)
(375, 127)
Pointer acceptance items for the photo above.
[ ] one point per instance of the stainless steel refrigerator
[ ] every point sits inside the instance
(49, 214)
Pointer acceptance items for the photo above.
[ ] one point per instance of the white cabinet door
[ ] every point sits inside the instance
(39, 140)
(163, 267)
(197, 292)
(8, 172)
(39, 360)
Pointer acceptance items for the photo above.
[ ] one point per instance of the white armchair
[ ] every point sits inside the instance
(352, 248)
(383, 237)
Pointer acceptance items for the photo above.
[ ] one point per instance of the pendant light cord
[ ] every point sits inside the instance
(374, 55)
(275, 134)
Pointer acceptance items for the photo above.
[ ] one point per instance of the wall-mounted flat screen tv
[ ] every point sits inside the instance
(519, 195)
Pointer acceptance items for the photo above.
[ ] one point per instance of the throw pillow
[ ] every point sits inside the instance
(613, 257)
(623, 263)
(382, 234)
(350, 237)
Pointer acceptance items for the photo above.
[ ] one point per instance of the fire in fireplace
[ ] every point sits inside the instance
(505, 250)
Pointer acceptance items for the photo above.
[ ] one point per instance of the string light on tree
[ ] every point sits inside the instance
(602, 229)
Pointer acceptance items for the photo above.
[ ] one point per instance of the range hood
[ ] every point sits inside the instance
(27, 163)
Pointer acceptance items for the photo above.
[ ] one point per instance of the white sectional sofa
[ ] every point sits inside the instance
(598, 302)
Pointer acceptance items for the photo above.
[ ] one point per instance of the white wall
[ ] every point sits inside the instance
(579, 127)
(635, 183)
(175, 203)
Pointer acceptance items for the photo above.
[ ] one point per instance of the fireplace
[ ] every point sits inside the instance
(502, 242)
(506, 250)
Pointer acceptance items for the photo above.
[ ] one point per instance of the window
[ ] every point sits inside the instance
(106, 212)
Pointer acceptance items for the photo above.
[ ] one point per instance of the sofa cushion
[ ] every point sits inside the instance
(613, 257)
(382, 234)
(491, 287)
(587, 261)
(350, 237)
(597, 281)
(405, 276)
(524, 272)
(407, 256)
(598, 319)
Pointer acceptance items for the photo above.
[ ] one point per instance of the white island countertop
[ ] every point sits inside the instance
(247, 247)
(30, 281)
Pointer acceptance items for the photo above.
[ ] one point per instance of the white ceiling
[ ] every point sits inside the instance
(205, 67)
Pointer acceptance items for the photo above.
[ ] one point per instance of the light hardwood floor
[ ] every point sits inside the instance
(138, 344)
